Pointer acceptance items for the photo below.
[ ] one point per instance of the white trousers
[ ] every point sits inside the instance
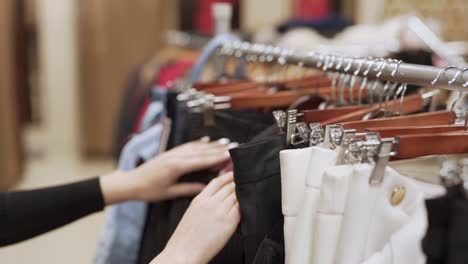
(370, 219)
(300, 247)
(294, 165)
(331, 206)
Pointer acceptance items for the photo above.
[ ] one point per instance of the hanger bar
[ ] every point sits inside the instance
(393, 71)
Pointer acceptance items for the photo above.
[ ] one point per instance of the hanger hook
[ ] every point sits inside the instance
(343, 79)
(405, 86)
(371, 62)
(458, 74)
(395, 96)
(383, 66)
(353, 79)
(340, 63)
(397, 66)
(320, 60)
(384, 89)
(452, 116)
(380, 69)
(442, 73)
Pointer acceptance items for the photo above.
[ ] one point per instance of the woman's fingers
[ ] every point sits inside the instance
(230, 200)
(209, 160)
(185, 189)
(225, 192)
(235, 212)
(217, 183)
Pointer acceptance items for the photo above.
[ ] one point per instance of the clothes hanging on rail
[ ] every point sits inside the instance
(331, 168)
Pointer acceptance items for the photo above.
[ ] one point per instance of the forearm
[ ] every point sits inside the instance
(25, 214)
(119, 186)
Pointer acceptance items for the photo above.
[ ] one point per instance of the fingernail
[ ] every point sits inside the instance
(223, 141)
(233, 145)
(205, 139)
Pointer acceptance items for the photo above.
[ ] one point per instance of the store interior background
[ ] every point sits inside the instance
(63, 68)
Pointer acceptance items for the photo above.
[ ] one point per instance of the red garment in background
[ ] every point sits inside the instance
(204, 18)
(312, 9)
(169, 73)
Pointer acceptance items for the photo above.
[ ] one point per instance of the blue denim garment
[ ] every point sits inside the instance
(122, 233)
(208, 51)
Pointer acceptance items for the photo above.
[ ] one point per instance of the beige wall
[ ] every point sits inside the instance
(58, 74)
(258, 14)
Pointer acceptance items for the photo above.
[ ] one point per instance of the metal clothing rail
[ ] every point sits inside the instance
(450, 78)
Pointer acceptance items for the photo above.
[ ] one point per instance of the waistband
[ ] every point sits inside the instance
(255, 161)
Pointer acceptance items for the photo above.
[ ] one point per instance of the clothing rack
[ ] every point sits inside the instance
(450, 78)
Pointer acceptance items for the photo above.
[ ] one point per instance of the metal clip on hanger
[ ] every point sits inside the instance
(333, 136)
(301, 134)
(349, 135)
(358, 147)
(381, 159)
(280, 118)
(317, 133)
(291, 120)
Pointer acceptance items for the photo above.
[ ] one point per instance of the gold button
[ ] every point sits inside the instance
(398, 195)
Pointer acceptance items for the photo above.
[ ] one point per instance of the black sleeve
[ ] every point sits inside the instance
(25, 214)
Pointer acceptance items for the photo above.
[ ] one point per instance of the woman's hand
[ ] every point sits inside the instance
(207, 225)
(156, 180)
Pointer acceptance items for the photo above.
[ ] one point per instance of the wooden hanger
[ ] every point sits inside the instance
(411, 104)
(255, 99)
(424, 119)
(226, 88)
(316, 115)
(413, 146)
(418, 130)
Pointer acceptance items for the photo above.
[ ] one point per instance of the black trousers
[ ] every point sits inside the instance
(258, 190)
(446, 240)
(163, 218)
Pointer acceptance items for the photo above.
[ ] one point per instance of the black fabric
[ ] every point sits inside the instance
(156, 231)
(26, 214)
(457, 236)
(258, 189)
(446, 237)
(434, 241)
(163, 218)
(271, 251)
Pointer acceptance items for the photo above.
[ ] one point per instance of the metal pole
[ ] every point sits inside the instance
(393, 71)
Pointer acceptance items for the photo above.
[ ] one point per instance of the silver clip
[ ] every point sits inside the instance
(352, 154)
(348, 136)
(280, 118)
(381, 158)
(291, 120)
(209, 111)
(333, 136)
(302, 135)
(316, 134)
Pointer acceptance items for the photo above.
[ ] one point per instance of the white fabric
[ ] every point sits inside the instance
(369, 219)
(294, 165)
(331, 206)
(404, 246)
(299, 250)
